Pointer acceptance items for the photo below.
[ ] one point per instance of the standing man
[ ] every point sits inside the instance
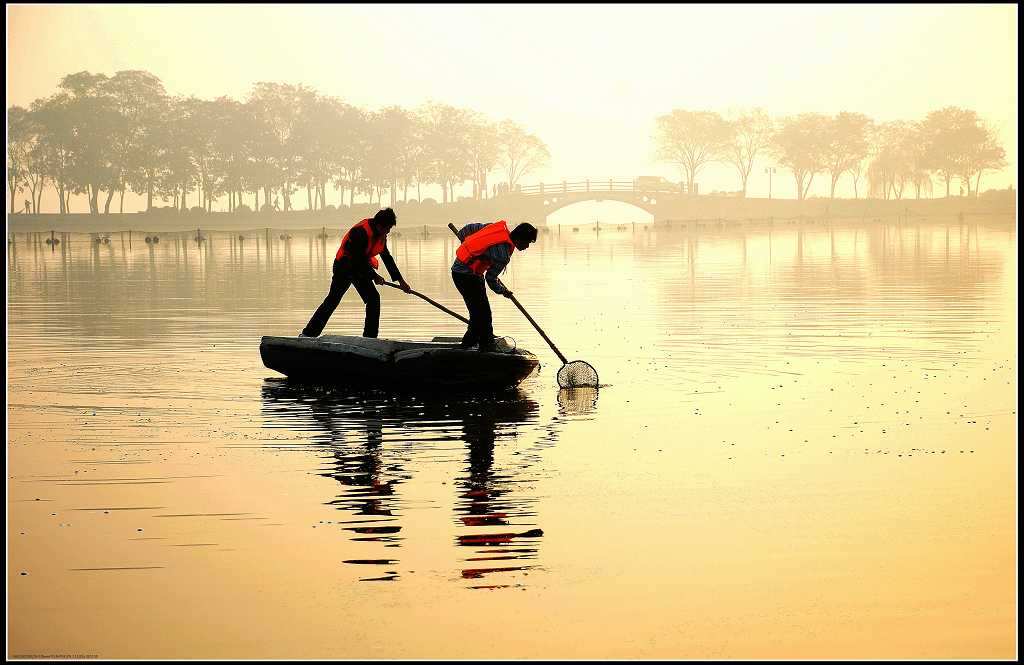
(485, 251)
(355, 264)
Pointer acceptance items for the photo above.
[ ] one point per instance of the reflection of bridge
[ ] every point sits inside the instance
(653, 195)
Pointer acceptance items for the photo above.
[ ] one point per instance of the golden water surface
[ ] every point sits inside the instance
(804, 446)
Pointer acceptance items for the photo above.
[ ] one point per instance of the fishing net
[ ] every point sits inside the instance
(577, 374)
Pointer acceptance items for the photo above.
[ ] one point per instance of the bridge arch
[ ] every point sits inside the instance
(556, 201)
(654, 196)
(605, 212)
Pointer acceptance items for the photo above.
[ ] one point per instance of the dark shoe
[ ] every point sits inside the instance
(488, 348)
(302, 334)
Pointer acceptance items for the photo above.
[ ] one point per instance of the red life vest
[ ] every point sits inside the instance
(374, 244)
(473, 247)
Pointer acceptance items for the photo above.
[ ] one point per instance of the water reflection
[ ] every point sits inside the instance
(376, 440)
(497, 516)
(577, 401)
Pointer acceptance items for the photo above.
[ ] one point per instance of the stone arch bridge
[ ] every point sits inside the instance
(662, 199)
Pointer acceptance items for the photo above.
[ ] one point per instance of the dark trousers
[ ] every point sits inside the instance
(480, 329)
(340, 282)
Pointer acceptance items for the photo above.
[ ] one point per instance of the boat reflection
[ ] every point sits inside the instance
(375, 438)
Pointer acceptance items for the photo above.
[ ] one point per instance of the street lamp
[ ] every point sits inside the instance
(769, 170)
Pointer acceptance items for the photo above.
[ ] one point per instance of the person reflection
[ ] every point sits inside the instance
(495, 518)
(498, 520)
(350, 426)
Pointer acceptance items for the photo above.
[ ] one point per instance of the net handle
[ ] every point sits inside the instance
(546, 338)
(525, 313)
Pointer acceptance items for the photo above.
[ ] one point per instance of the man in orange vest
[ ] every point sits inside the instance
(354, 264)
(485, 252)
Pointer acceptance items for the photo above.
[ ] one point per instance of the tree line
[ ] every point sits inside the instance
(101, 136)
(947, 144)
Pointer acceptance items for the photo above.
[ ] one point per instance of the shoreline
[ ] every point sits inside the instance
(699, 211)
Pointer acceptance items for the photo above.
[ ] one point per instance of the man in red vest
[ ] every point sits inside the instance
(354, 264)
(485, 252)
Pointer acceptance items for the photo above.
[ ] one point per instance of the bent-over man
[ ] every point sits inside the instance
(483, 255)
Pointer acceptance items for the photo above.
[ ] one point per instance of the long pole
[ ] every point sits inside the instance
(432, 302)
(542, 334)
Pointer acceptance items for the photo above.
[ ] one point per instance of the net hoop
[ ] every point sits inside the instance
(577, 374)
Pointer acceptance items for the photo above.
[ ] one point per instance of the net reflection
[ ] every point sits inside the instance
(577, 401)
(376, 440)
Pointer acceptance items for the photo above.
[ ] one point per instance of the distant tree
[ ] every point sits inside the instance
(278, 107)
(20, 140)
(232, 144)
(318, 124)
(37, 167)
(959, 144)
(417, 158)
(893, 165)
(914, 151)
(982, 153)
(139, 100)
(483, 152)
(147, 160)
(800, 145)
(691, 139)
(181, 174)
(203, 131)
(94, 126)
(519, 152)
(446, 140)
(858, 167)
(392, 130)
(750, 134)
(846, 145)
(55, 147)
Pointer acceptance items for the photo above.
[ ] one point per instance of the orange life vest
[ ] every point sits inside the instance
(473, 247)
(374, 244)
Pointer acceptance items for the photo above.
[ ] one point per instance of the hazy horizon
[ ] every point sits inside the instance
(588, 80)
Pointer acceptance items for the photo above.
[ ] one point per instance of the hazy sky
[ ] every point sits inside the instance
(589, 80)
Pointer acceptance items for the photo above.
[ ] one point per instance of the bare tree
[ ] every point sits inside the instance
(957, 141)
(751, 134)
(20, 139)
(893, 164)
(519, 152)
(846, 145)
(446, 140)
(691, 139)
(800, 145)
(483, 152)
(982, 153)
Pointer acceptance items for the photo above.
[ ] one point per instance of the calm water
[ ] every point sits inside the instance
(804, 446)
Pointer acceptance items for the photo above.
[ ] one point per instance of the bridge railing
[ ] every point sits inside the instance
(600, 185)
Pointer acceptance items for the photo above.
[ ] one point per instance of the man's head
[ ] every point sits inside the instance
(384, 221)
(523, 235)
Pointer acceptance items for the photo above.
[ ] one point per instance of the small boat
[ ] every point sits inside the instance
(364, 361)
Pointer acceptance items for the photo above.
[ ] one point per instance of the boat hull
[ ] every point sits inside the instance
(362, 361)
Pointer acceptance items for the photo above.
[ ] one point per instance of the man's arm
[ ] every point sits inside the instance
(389, 263)
(499, 255)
